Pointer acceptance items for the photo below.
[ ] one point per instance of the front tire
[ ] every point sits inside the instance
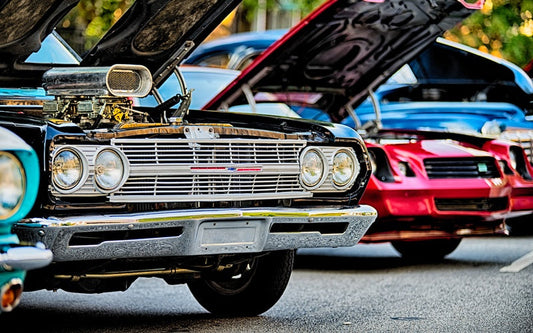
(427, 250)
(255, 290)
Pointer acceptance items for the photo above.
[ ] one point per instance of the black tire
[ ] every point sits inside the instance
(428, 250)
(254, 292)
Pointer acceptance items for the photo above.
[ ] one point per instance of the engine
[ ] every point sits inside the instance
(95, 97)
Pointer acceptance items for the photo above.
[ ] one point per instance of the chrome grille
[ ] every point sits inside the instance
(210, 187)
(186, 151)
(523, 138)
(210, 170)
(474, 167)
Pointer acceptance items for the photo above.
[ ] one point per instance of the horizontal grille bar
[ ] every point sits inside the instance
(476, 204)
(210, 187)
(189, 151)
(474, 167)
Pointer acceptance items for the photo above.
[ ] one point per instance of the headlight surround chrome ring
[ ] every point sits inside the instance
(12, 184)
(313, 168)
(345, 168)
(69, 169)
(111, 169)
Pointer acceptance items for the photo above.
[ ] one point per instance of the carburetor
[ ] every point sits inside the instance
(95, 96)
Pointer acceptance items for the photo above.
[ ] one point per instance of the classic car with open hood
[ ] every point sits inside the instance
(430, 189)
(217, 201)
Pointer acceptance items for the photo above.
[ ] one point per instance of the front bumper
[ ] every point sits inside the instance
(476, 199)
(196, 232)
(25, 257)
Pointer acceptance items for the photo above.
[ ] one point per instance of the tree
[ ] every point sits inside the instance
(503, 28)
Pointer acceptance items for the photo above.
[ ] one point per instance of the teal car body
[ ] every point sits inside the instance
(19, 182)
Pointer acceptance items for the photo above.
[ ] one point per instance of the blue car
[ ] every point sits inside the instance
(448, 87)
(453, 88)
(19, 181)
(235, 51)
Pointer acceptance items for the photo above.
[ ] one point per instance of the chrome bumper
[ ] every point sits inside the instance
(26, 257)
(196, 232)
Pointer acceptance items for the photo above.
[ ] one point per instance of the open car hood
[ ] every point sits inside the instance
(159, 34)
(342, 50)
(447, 62)
(156, 34)
(24, 24)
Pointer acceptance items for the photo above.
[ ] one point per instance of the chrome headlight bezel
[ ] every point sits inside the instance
(83, 174)
(324, 168)
(20, 168)
(355, 169)
(125, 170)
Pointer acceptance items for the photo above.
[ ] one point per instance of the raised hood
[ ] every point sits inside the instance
(24, 24)
(447, 62)
(159, 34)
(344, 49)
(156, 34)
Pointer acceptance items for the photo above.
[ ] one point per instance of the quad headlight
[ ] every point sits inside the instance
(313, 168)
(110, 169)
(345, 168)
(328, 168)
(12, 184)
(69, 169)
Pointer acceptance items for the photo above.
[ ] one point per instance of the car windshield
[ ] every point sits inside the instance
(205, 84)
(54, 50)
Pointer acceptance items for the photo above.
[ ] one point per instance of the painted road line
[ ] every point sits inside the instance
(519, 264)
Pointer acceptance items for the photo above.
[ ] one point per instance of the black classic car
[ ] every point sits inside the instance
(215, 200)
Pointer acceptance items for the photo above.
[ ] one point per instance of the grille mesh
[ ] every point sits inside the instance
(475, 204)
(475, 167)
(125, 80)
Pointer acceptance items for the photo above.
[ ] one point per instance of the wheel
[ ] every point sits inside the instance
(428, 250)
(256, 289)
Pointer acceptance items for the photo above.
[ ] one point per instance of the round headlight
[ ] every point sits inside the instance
(344, 168)
(68, 169)
(512, 158)
(12, 184)
(313, 166)
(109, 169)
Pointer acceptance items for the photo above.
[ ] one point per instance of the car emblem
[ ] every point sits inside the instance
(482, 167)
(225, 169)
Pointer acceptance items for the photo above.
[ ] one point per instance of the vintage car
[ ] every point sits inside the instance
(215, 200)
(19, 181)
(476, 93)
(430, 189)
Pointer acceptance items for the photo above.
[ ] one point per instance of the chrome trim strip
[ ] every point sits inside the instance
(204, 232)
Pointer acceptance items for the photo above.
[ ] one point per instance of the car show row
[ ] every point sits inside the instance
(126, 162)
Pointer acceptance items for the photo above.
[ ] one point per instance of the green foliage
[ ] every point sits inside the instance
(502, 28)
(90, 20)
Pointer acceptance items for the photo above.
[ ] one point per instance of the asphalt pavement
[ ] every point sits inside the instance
(366, 288)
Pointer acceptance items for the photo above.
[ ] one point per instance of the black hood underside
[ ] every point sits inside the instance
(344, 49)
